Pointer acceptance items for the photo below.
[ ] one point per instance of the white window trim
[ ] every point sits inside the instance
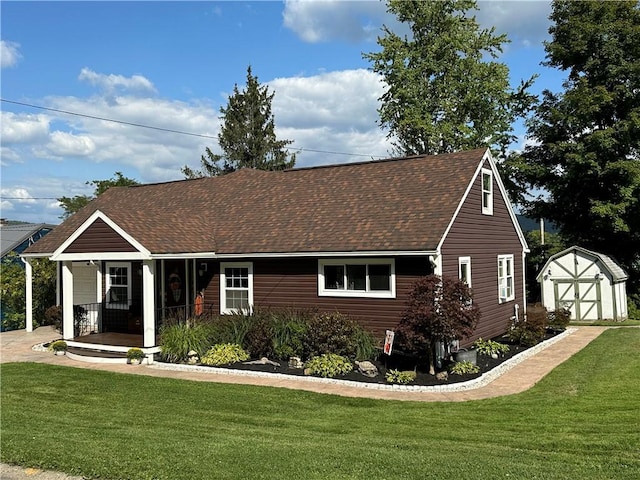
(487, 209)
(117, 305)
(223, 290)
(506, 298)
(323, 292)
(465, 261)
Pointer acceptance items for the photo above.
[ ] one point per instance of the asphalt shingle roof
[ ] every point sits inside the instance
(390, 205)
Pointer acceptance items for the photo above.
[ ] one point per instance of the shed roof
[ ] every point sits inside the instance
(615, 270)
(402, 204)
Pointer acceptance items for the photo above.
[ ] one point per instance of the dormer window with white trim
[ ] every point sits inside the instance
(487, 191)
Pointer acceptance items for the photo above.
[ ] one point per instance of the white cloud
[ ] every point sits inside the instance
(526, 22)
(64, 144)
(319, 21)
(9, 54)
(23, 128)
(112, 83)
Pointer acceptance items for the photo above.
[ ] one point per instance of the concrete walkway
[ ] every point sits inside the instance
(16, 346)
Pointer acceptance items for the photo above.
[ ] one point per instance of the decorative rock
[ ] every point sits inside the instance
(367, 369)
(192, 357)
(295, 362)
(262, 361)
(442, 376)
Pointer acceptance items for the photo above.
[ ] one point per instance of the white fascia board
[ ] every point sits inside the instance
(142, 251)
(36, 255)
(180, 256)
(108, 256)
(345, 254)
(505, 198)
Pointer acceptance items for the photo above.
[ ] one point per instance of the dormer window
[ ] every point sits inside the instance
(487, 192)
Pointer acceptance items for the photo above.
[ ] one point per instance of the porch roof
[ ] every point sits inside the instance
(389, 205)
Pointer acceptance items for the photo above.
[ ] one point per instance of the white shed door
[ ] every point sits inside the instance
(581, 297)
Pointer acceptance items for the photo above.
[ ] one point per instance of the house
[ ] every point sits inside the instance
(17, 237)
(590, 284)
(350, 237)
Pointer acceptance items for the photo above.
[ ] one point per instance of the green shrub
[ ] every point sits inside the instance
(231, 328)
(366, 346)
(331, 333)
(328, 365)
(490, 347)
(258, 340)
(559, 319)
(53, 316)
(633, 307)
(178, 339)
(224, 354)
(289, 329)
(58, 346)
(461, 368)
(531, 330)
(135, 353)
(400, 377)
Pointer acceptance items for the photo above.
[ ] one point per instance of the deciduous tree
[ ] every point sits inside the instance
(445, 90)
(438, 310)
(584, 159)
(72, 204)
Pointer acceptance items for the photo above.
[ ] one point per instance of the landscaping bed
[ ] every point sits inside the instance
(397, 361)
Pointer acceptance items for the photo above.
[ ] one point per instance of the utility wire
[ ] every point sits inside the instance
(179, 132)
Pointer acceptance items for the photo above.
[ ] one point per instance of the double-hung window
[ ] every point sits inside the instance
(236, 287)
(505, 278)
(487, 191)
(464, 270)
(357, 278)
(118, 283)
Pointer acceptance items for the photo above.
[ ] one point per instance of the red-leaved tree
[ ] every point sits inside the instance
(439, 309)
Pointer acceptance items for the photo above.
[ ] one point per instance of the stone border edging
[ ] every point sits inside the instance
(481, 381)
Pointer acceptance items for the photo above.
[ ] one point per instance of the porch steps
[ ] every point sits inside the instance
(91, 355)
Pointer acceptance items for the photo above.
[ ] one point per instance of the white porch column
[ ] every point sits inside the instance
(149, 304)
(67, 301)
(28, 294)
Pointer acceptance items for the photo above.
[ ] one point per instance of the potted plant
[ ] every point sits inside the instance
(59, 347)
(135, 355)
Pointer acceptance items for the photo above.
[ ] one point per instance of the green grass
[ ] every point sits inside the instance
(581, 421)
(608, 323)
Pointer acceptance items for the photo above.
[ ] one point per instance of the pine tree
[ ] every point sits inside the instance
(247, 137)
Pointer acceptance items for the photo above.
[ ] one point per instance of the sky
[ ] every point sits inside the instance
(70, 67)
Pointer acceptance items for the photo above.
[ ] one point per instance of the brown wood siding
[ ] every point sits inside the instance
(483, 238)
(284, 283)
(99, 237)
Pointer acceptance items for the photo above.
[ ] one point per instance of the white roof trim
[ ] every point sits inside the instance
(505, 198)
(337, 254)
(617, 272)
(60, 255)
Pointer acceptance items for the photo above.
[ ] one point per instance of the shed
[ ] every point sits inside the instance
(590, 284)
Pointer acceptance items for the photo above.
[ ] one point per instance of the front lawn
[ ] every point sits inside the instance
(581, 421)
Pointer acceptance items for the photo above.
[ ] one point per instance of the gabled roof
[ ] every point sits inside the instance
(12, 236)
(615, 270)
(393, 205)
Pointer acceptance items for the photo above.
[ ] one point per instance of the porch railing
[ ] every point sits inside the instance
(100, 317)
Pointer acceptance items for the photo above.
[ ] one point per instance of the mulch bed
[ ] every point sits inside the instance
(400, 362)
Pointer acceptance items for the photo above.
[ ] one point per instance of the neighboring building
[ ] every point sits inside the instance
(17, 237)
(351, 237)
(590, 284)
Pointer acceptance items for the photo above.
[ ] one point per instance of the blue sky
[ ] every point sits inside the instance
(172, 65)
